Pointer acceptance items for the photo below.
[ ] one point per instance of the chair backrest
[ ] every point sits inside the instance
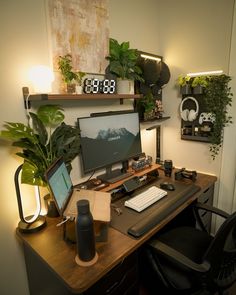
(221, 253)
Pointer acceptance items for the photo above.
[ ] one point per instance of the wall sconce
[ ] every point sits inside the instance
(42, 78)
(29, 224)
(218, 72)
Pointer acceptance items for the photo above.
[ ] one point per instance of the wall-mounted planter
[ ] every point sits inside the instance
(186, 89)
(198, 89)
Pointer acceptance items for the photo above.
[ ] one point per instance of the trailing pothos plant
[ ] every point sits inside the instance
(217, 99)
(48, 139)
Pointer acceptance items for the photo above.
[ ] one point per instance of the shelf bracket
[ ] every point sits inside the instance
(25, 91)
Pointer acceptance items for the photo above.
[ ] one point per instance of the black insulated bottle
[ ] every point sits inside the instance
(85, 232)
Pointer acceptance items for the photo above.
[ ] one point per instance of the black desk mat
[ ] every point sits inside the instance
(152, 215)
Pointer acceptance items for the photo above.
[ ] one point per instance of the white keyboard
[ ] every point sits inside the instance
(146, 198)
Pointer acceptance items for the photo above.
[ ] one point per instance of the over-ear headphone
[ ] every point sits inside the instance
(189, 115)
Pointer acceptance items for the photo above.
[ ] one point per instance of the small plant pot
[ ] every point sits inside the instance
(50, 206)
(125, 86)
(186, 89)
(70, 88)
(198, 89)
(79, 89)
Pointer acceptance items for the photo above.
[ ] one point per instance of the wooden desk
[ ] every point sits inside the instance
(46, 253)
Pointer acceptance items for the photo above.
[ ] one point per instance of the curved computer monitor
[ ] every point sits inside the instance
(107, 140)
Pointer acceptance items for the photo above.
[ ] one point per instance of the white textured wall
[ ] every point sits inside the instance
(23, 43)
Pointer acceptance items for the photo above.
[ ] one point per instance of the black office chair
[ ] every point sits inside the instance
(187, 260)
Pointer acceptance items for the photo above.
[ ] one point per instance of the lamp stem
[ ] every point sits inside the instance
(30, 223)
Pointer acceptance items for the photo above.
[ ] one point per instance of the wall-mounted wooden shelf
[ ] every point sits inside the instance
(95, 96)
(196, 138)
(155, 123)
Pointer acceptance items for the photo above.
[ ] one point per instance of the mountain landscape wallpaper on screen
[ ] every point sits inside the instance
(110, 146)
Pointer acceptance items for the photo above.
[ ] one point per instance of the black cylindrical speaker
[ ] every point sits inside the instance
(168, 166)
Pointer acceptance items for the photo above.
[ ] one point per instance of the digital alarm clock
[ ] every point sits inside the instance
(99, 86)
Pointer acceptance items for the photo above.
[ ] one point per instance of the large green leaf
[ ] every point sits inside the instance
(118, 69)
(124, 46)
(25, 143)
(39, 128)
(31, 175)
(16, 131)
(50, 115)
(65, 142)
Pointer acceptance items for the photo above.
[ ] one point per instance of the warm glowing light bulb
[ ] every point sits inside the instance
(42, 78)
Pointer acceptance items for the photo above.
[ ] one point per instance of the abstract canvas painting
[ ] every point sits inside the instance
(79, 28)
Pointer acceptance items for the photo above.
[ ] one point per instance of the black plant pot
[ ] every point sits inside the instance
(50, 206)
(198, 89)
(186, 89)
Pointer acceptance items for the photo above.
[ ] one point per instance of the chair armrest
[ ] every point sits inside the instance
(211, 209)
(163, 249)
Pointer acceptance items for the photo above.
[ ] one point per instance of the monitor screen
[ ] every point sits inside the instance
(109, 139)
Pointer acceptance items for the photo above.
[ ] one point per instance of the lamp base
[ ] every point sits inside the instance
(33, 227)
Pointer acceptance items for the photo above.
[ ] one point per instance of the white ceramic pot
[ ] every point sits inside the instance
(79, 89)
(125, 86)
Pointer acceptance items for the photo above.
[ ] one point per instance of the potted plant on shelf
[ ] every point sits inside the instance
(123, 64)
(69, 76)
(184, 83)
(48, 139)
(146, 107)
(79, 80)
(217, 98)
(199, 83)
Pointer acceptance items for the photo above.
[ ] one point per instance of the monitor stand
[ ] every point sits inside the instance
(112, 176)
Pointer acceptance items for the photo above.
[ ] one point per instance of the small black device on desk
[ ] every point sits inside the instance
(167, 186)
(132, 184)
(93, 184)
(183, 173)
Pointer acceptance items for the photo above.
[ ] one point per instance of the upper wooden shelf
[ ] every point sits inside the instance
(95, 96)
(81, 96)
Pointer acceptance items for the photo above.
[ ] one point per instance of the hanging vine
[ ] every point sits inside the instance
(218, 97)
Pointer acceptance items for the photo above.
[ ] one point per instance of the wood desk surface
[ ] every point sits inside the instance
(59, 255)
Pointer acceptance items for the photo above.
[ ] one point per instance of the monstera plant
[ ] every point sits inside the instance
(41, 142)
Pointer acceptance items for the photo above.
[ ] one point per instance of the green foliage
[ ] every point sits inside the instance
(79, 77)
(147, 102)
(183, 80)
(200, 81)
(64, 65)
(217, 98)
(41, 145)
(123, 61)
(145, 105)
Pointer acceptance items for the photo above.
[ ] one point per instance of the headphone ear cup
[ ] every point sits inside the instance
(192, 115)
(185, 114)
